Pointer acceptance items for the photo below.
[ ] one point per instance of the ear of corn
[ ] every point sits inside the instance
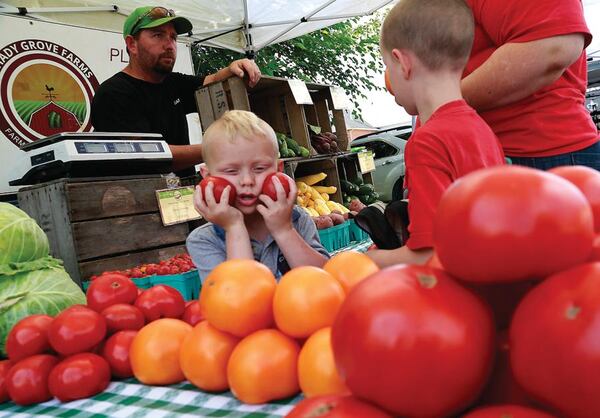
(326, 189)
(312, 179)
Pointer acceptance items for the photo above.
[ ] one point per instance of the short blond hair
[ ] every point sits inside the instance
(439, 32)
(235, 125)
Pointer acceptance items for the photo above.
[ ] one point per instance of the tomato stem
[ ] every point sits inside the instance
(428, 281)
(572, 312)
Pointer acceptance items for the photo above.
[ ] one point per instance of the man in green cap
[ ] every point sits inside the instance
(147, 96)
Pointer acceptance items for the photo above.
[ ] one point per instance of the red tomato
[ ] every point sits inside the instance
(116, 353)
(5, 366)
(507, 411)
(76, 329)
(122, 316)
(161, 302)
(335, 406)
(510, 223)
(110, 289)
(219, 185)
(596, 249)
(80, 376)
(29, 336)
(192, 314)
(588, 181)
(554, 334)
(414, 329)
(269, 189)
(27, 380)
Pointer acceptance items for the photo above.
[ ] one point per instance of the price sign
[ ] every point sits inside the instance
(366, 161)
(339, 98)
(300, 92)
(177, 205)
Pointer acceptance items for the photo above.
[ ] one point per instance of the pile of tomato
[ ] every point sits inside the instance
(506, 312)
(75, 354)
(177, 264)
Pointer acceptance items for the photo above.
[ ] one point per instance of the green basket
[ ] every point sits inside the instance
(188, 283)
(356, 233)
(335, 237)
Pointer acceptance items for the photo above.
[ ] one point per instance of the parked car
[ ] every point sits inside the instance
(388, 149)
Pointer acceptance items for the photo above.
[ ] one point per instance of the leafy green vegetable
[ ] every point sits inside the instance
(46, 291)
(21, 239)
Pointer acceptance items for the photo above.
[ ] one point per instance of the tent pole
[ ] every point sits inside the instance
(249, 48)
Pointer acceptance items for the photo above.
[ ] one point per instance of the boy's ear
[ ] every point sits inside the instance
(405, 61)
(204, 170)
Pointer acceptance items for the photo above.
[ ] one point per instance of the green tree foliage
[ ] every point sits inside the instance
(346, 55)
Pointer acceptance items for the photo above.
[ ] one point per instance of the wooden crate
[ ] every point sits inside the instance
(272, 99)
(326, 110)
(314, 166)
(98, 224)
(349, 169)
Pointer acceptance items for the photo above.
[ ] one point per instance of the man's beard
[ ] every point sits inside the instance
(162, 68)
(156, 64)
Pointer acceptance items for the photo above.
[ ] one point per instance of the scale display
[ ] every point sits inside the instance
(105, 147)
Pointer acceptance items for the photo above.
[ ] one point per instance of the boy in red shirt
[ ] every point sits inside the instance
(425, 45)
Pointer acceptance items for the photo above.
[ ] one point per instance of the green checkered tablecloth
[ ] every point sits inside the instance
(360, 246)
(130, 399)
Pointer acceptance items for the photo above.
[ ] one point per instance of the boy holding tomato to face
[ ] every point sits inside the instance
(425, 45)
(251, 216)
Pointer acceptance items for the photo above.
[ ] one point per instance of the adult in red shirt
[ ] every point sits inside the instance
(453, 140)
(527, 77)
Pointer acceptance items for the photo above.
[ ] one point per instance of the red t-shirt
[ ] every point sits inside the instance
(554, 120)
(452, 143)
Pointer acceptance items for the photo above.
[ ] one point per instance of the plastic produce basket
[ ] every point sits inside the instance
(188, 283)
(356, 233)
(335, 237)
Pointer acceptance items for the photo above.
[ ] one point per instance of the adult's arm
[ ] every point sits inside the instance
(517, 70)
(238, 68)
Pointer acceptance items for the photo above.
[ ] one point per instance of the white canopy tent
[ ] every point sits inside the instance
(239, 25)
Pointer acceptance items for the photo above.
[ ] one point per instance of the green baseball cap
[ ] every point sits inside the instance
(152, 16)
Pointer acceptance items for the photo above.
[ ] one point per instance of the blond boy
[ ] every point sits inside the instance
(242, 149)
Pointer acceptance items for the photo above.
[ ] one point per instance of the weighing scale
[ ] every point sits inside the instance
(92, 154)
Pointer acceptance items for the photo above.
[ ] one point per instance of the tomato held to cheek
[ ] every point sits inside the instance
(76, 329)
(335, 406)
(80, 376)
(116, 353)
(29, 336)
(219, 185)
(269, 189)
(27, 380)
(110, 289)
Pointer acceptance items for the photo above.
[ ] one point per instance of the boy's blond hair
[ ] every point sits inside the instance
(439, 32)
(234, 125)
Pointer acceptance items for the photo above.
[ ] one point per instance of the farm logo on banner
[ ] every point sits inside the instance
(45, 89)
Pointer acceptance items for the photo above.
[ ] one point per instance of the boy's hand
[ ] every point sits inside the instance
(278, 213)
(221, 213)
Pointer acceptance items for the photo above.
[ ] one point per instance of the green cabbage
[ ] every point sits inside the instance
(24, 292)
(21, 239)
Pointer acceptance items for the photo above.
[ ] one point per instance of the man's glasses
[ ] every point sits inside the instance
(154, 13)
